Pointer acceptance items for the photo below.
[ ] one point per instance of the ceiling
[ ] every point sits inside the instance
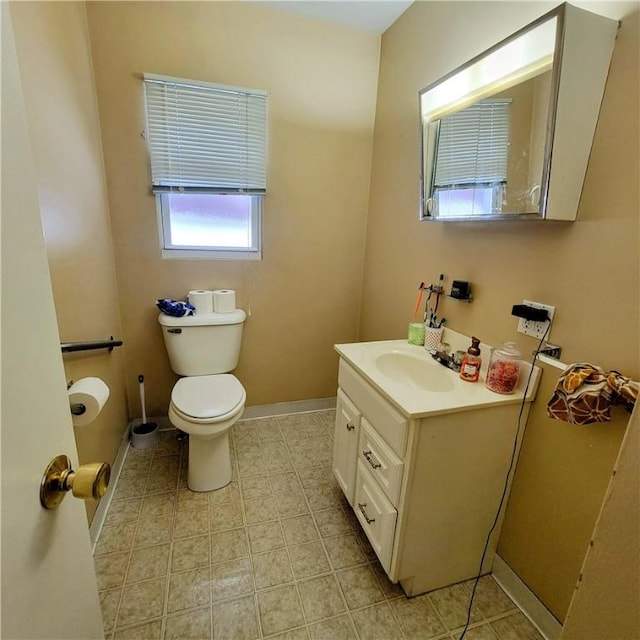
(369, 15)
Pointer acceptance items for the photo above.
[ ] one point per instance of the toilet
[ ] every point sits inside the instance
(207, 400)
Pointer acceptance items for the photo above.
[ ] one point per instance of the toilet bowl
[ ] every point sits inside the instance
(206, 407)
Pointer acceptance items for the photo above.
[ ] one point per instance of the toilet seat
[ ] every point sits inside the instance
(225, 417)
(208, 399)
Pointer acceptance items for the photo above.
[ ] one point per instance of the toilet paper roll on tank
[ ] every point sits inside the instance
(202, 300)
(87, 396)
(224, 301)
(218, 301)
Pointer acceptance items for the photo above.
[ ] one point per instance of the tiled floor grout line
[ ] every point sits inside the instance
(333, 571)
(318, 533)
(165, 605)
(439, 616)
(286, 546)
(244, 520)
(181, 470)
(130, 552)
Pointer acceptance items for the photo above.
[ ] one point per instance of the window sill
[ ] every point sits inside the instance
(186, 254)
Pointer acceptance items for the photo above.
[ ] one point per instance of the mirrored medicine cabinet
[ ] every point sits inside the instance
(508, 134)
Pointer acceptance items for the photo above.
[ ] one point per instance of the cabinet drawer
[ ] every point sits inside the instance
(380, 460)
(345, 445)
(388, 422)
(376, 515)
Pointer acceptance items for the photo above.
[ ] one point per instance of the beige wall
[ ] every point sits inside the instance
(304, 295)
(57, 80)
(588, 269)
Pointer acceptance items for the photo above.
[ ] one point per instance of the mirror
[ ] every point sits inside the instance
(489, 128)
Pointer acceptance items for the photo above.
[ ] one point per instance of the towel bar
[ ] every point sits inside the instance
(68, 347)
(552, 361)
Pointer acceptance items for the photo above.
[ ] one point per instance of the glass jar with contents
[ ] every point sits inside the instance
(503, 371)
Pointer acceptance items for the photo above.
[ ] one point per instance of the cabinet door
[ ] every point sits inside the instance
(376, 515)
(345, 445)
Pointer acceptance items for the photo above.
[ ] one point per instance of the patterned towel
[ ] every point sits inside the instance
(585, 393)
(176, 308)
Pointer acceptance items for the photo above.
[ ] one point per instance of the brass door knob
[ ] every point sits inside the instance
(89, 482)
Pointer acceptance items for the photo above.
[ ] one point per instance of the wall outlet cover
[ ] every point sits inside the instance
(533, 328)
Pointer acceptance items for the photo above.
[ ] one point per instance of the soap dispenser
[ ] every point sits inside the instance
(471, 361)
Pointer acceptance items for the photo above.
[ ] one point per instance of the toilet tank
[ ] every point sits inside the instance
(203, 344)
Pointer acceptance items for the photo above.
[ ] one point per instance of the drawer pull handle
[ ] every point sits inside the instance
(350, 426)
(361, 506)
(371, 460)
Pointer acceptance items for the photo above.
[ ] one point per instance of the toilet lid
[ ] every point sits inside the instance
(207, 396)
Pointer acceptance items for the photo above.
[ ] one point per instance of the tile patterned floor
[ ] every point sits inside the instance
(277, 553)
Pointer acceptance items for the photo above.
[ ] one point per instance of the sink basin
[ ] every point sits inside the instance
(414, 370)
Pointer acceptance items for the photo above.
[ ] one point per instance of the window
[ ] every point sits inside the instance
(207, 146)
(471, 168)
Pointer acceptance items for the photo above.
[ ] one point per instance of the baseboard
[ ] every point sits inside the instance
(282, 408)
(530, 605)
(103, 507)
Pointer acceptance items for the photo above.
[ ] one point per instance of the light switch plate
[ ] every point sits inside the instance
(533, 328)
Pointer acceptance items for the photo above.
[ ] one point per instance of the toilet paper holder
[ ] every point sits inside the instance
(78, 409)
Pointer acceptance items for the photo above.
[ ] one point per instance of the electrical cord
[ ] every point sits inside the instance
(506, 481)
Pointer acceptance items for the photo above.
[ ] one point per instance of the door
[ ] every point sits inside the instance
(48, 583)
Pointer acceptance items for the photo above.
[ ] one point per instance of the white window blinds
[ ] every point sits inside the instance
(473, 145)
(204, 137)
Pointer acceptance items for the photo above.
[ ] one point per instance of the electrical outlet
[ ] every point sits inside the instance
(532, 328)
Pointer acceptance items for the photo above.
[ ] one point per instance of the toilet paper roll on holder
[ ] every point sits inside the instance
(77, 408)
(86, 399)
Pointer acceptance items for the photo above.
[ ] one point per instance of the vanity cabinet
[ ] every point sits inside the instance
(424, 489)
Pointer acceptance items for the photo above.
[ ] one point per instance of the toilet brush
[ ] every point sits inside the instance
(145, 434)
(145, 427)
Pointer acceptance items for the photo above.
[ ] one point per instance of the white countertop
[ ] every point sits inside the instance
(417, 402)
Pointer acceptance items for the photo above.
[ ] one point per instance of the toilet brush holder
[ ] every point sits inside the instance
(144, 435)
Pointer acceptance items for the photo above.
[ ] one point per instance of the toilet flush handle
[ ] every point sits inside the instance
(174, 330)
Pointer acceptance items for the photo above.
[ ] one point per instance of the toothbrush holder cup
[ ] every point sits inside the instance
(432, 337)
(416, 333)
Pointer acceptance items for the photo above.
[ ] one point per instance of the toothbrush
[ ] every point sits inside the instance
(418, 301)
(439, 290)
(426, 305)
